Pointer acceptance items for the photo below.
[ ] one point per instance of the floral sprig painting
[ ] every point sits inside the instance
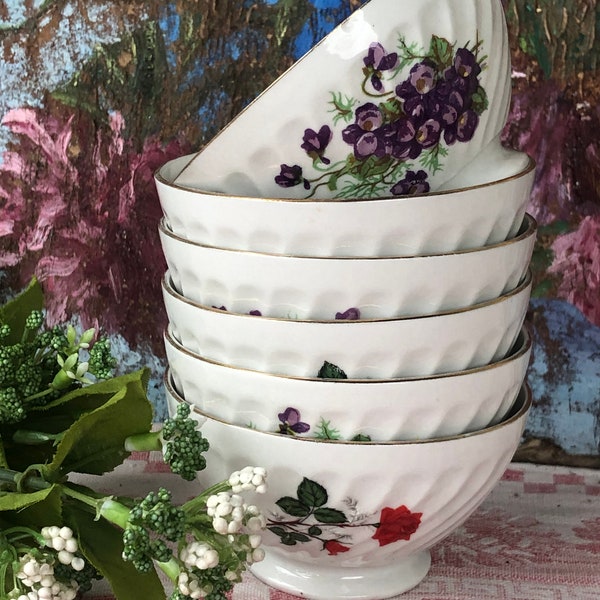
(307, 518)
(399, 133)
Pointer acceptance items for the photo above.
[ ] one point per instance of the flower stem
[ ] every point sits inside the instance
(23, 480)
(144, 442)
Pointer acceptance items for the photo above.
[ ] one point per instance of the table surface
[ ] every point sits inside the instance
(536, 537)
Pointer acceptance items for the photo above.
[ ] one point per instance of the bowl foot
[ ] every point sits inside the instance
(347, 583)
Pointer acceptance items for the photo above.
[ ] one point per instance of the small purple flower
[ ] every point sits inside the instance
(401, 139)
(352, 314)
(463, 129)
(367, 133)
(291, 176)
(419, 92)
(413, 183)
(291, 423)
(315, 143)
(378, 60)
(219, 307)
(428, 133)
(464, 72)
(255, 313)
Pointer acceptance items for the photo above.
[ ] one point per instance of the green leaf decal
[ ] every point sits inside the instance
(331, 371)
(441, 51)
(293, 507)
(314, 531)
(311, 493)
(330, 515)
(280, 531)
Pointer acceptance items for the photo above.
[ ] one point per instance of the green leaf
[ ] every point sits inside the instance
(102, 546)
(332, 182)
(361, 437)
(331, 371)
(314, 530)
(440, 51)
(299, 537)
(15, 311)
(34, 508)
(324, 431)
(293, 507)
(95, 442)
(330, 515)
(312, 493)
(480, 100)
(280, 531)
(3, 462)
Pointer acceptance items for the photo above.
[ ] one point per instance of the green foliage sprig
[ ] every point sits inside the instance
(62, 412)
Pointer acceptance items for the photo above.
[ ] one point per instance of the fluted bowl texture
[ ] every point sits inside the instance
(352, 518)
(383, 410)
(358, 288)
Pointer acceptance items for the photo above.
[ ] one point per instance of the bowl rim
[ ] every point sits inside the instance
(526, 282)
(161, 179)
(527, 229)
(522, 345)
(516, 413)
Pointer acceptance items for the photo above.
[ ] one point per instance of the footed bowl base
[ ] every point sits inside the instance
(343, 583)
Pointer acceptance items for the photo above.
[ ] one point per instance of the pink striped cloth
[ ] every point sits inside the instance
(536, 537)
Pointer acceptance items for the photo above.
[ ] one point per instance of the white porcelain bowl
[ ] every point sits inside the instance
(466, 218)
(394, 409)
(401, 86)
(356, 520)
(325, 288)
(374, 349)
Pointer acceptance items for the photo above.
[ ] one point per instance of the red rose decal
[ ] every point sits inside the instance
(396, 524)
(334, 547)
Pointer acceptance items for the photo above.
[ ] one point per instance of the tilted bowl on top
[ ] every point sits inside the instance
(369, 349)
(469, 217)
(302, 287)
(402, 94)
(356, 519)
(393, 409)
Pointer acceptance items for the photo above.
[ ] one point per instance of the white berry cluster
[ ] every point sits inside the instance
(249, 479)
(61, 540)
(39, 578)
(199, 555)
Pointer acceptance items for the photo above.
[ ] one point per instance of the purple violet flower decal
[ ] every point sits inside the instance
(366, 134)
(409, 107)
(291, 176)
(376, 61)
(315, 143)
(413, 183)
(291, 423)
(352, 314)
(255, 313)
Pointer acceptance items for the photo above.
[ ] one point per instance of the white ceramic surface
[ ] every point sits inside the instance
(325, 288)
(401, 86)
(359, 518)
(375, 349)
(485, 214)
(399, 409)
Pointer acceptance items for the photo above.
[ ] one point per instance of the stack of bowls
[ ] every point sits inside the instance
(369, 353)
(294, 360)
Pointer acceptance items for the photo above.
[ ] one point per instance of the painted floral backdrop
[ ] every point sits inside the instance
(95, 95)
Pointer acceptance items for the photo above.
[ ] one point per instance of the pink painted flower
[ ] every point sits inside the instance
(577, 262)
(80, 211)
